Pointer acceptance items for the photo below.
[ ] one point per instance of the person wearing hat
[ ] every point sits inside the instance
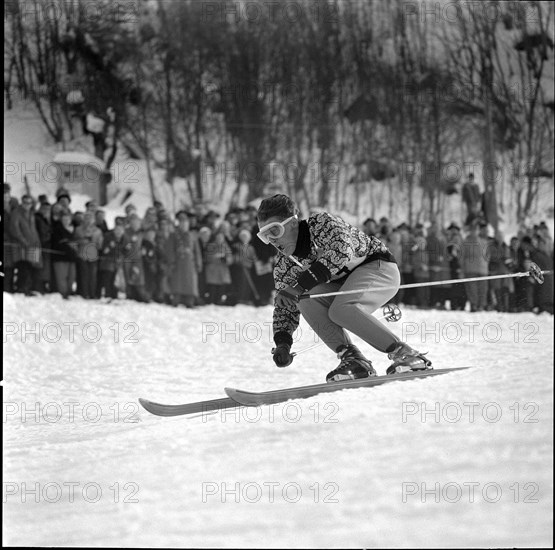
(130, 212)
(324, 254)
(211, 220)
(63, 198)
(150, 220)
(193, 221)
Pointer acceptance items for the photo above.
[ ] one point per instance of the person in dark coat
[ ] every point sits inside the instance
(204, 236)
(185, 262)
(63, 199)
(100, 221)
(472, 198)
(64, 256)
(162, 235)
(10, 246)
(133, 261)
(499, 262)
(44, 229)
(25, 234)
(243, 259)
(150, 262)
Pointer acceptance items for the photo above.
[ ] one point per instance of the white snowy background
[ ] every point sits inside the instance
(348, 469)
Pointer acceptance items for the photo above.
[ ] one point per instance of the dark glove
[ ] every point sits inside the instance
(288, 297)
(282, 355)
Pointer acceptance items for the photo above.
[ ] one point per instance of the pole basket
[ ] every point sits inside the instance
(536, 273)
(392, 313)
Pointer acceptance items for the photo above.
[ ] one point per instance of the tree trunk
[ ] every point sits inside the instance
(490, 171)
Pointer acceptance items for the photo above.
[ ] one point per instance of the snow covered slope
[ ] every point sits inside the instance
(459, 460)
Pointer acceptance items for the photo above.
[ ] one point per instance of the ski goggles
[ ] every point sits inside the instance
(274, 230)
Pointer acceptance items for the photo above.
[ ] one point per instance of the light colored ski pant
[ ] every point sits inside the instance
(332, 316)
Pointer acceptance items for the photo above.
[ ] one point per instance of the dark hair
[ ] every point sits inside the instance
(280, 206)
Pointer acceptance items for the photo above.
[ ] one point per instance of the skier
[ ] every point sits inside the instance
(324, 254)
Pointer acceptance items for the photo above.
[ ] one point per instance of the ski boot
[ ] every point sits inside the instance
(353, 365)
(406, 359)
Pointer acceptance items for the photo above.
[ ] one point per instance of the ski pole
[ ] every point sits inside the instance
(391, 313)
(535, 272)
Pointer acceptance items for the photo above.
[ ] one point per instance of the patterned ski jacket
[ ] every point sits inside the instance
(329, 249)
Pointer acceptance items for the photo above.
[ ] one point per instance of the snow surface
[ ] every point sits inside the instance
(365, 457)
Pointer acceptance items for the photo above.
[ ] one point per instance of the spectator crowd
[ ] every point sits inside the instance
(199, 258)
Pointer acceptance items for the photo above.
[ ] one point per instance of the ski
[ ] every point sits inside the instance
(203, 407)
(238, 398)
(253, 399)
